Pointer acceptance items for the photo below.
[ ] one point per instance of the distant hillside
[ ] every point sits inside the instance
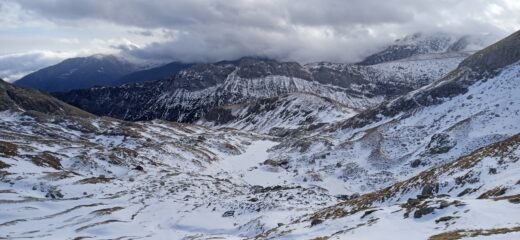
(78, 73)
(155, 73)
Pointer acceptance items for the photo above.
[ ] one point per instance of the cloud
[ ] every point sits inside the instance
(301, 30)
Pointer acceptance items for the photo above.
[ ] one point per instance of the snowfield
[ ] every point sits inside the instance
(110, 179)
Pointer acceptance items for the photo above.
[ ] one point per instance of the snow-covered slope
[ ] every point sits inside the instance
(418, 137)
(193, 92)
(375, 155)
(474, 196)
(70, 178)
(428, 43)
(278, 115)
(81, 176)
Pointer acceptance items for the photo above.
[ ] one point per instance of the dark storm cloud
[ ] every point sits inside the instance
(304, 30)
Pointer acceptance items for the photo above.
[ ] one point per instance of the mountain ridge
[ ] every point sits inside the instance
(192, 92)
(77, 73)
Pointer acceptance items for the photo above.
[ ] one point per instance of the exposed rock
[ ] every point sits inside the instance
(54, 193)
(429, 189)
(440, 143)
(316, 221)
(230, 213)
(445, 219)
(423, 211)
(415, 163)
(20, 99)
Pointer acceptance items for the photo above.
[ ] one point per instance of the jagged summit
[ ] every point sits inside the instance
(192, 92)
(426, 43)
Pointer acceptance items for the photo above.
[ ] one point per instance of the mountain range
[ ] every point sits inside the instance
(95, 70)
(199, 89)
(420, 145)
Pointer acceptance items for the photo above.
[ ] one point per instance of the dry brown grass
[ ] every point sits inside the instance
(512, 199)
(498, 191)
(94, 180)
(458, 234)
(46, 160)
(106, 211)
(8, 149)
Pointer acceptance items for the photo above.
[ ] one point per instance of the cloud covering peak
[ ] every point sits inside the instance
(212, 30)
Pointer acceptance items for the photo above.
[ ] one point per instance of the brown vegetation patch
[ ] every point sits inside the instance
(107, 211)
(8, 149)
(512, 199)
(46, 160)
(498, 191)
(458, 234)
(94, 180)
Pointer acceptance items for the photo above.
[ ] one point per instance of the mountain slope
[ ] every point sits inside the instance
(426, 43)
(278, 115)
(77, 73)
(155, 73)
(483, 64)
(12, 97)
(435, 124)
(193, 92)
(455, 140)
(476, 195)
(73, 177)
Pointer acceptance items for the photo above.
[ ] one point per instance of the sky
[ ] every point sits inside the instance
(38, 33)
